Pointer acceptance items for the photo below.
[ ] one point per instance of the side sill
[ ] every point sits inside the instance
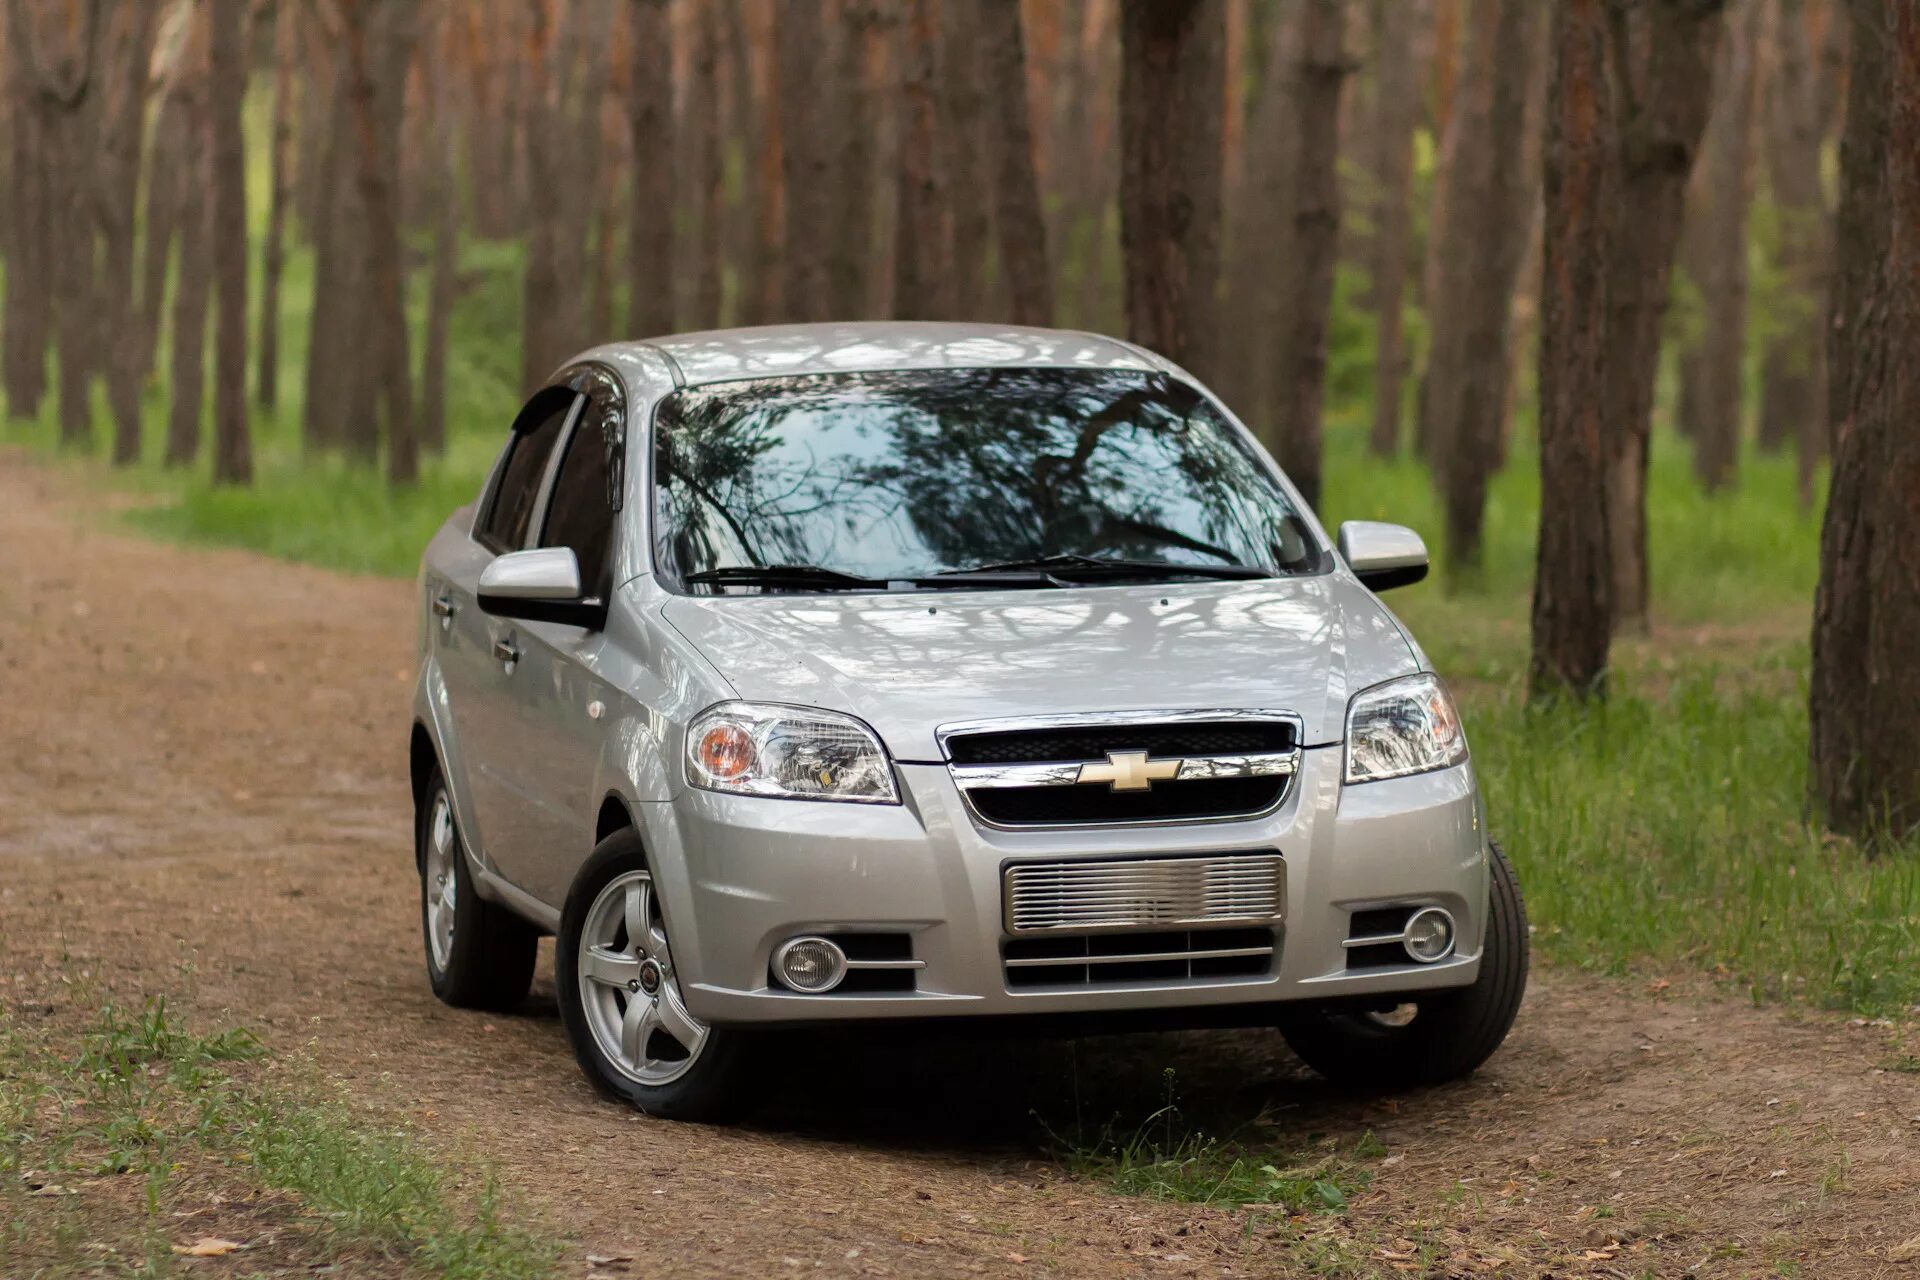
(517, 900)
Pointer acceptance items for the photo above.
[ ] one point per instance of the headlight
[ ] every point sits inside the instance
(799, 753)
(1402, 727)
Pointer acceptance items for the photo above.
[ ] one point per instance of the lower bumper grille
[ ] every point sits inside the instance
(1197, 955)
(1143, 893)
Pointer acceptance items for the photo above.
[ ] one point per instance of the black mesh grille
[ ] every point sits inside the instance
(1093, 742)
(1166, 801)
(1069, 958)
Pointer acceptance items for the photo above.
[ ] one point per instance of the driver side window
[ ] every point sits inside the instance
(509, 513)
(580, 512)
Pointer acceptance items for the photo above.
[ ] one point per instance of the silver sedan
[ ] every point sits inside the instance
(899, 671)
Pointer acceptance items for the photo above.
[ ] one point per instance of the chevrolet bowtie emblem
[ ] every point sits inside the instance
(1130, 771)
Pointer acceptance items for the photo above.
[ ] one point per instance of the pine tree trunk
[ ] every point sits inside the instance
(29, 291)
(1306, 294)
(193, 220)
(705, 177)
(1025, 268)
(1664, 58)
(1714, 252)
(923, 242)
(1572, 579)
(806, 159)
(1865, 691)
(543, 340)
(1472, 310)
(964, 156)
(650, 229)
(856, 111)
(128, 56)
(1396, 117)
(379, 41)
(1793, 392)
(273, 254)
(226, 86)
(444, 273)
(1171, 67)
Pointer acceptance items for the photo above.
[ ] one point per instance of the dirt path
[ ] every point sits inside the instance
(202, 793)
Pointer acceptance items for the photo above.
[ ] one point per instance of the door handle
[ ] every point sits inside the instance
(443, 605)
(505, 651)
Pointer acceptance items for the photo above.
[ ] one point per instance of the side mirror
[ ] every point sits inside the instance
(542, 585)
(1383, 555)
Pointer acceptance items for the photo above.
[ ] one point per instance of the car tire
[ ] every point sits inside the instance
(479, 954)
(620, 997)
(1449, 1033)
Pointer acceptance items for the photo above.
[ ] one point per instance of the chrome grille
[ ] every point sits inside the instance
(1143, 893)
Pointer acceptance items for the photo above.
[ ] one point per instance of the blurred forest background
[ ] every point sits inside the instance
(278, 274)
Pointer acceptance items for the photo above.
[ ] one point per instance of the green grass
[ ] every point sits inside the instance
(1163, 1157)
(142, 1098)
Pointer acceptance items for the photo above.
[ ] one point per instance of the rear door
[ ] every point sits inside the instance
(559, 696)
(473, 647)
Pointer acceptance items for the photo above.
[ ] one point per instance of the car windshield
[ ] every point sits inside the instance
(902, 475)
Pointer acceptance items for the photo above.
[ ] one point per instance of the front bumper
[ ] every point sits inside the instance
(752, 873)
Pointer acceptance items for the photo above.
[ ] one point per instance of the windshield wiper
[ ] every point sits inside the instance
(824, 579)
(1072, 565)
(783, 575)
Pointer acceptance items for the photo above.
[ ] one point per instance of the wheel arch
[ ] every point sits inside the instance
(615, 815)
(422, 759)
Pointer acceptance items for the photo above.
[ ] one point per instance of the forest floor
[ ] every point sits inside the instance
(203, 797)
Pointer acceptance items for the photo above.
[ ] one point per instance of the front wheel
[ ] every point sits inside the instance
(1442, 1035)
(620, 996)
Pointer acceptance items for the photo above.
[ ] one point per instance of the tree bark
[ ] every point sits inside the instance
(650, 229)
(856, 107)
(805, 157)
(923, 241)
(1171, 67)
(226, 86)
(1396, 117)
(1714, 252)
(704, 181)
(1793, 393)
(29, 292)
(1662, 62)
(273, 254)
(444, 273)
(187, 324)
(127, 58)
(1306, 288)
(1865, 692)
(1572, 578)
(964, 156)
(1021, 230)
(1488, 206)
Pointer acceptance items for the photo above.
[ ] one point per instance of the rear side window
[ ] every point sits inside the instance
(580, 515)
(511, 510)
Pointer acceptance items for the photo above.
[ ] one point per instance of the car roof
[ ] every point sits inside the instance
(721, 355)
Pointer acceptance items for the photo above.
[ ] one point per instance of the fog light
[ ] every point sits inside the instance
(1429, 935)
(811, 965)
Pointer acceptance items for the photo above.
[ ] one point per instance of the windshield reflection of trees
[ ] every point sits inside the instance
(905, 473)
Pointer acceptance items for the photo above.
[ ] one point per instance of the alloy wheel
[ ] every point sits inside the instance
(438, 881)
(628, 988)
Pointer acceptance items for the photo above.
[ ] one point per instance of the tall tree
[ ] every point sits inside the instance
(1396, 117)
(800, 36)
(1793, 395)
(650, 243)
(1021, 230)
(1489, 209)
(1865, 690)
(273, 253)
(1306, 285)
(379, 37)
(226, 86)
(923, 241)
(443, 215)
(29, 235)
(1572, 578)
(193, 221)
(703, 177)
(964, 159)
(127, 59)
(856, 108)
(1714, 254)
(1171, 69)
(1662, 59)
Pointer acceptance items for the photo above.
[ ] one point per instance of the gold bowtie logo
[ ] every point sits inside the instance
(1130, 771)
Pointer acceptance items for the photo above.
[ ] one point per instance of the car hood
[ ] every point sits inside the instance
(911, 662)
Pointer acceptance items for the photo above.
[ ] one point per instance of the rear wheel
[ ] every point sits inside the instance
(621, 1001)
(1436, 1036)
(479, 954)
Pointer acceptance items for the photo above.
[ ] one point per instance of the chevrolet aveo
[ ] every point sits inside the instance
(820, 674)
